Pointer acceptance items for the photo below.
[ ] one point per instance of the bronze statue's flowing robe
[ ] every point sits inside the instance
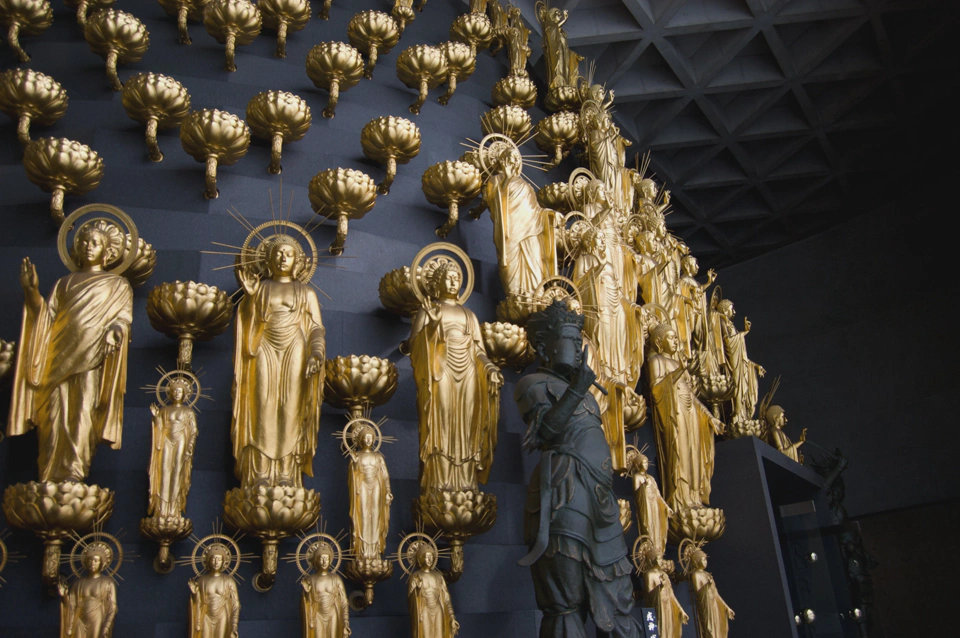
(431, 612)
(743, 371)
(369, 486)
(66, 384)
(712, 612)
(659, 595)
(324, 610)
(684, 435)
(458, 412)
(171, 460)
(215, 608)
(652, 511)
(779, 439)
(88, 608)
(523, 232)
(276, 407)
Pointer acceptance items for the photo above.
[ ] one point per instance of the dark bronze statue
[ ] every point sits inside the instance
(578, 556)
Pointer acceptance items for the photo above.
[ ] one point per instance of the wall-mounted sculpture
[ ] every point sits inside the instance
(334, 66)
(279, 117)
(324, 608)
(27, 17)
(232, 23)
(119, 38)
(60, 167)
(214, 599)
(30, 97)
(158, 102)
(88, 605)
(216, 138)
(428, 599)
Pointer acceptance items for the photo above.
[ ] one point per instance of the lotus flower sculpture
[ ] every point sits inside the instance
(474, 30)
(506, 345)
(284, 16)
(324, 13)
(27, 17)
(143, 264)
(396, 292)
(422, 67)
(459, 515)
(184, 10)
(279, 117)
(511, 121)
(214, 137)
(334, 66)
(473, 158)
(555, 197)
(715, 390)
(461, 63)
(697, 524)
(158, 102)
(345, 193)
(516, 91)
(562, 98)
(450, 184)
(189, 311)
(85, 7)
(403, 14)
(8, 357)
(557, 134)
(118, 37)
(60, 166)
(394, 140)
(31, 97)
(373, 33)
(359, 383)
(233, 23)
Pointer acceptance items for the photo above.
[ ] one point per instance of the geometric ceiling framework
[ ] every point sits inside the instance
(770, 120)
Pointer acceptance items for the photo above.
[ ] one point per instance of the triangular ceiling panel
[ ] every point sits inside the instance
(755, 66)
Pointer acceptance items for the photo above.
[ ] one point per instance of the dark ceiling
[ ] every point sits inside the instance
(771, 120)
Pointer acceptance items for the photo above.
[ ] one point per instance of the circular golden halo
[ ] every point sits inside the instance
(206, 542)
(192, 397)
(641, 546)
(4, 555)
(356, 424)
(574, 219)
(88, 539)
(414, 541)
(656, 309)
(312, 543)
(466, 268)
(543, 292)
(491, 140)
(571, 192)
(253, 258)
(69, 223)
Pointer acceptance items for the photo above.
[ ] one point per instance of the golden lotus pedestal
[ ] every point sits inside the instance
(747, 427)
(270, 513)
(165, 530)
(697, 524)
(458, 515)
(368, 572)
(55, 512)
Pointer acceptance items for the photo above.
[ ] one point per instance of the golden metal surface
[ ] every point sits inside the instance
(31, 97)
(189, 311)
(8, 357)
(334, 66)
(86, 7)
(506, 345)
(657, 590)
(472, 29)
(118, 37)
(517, 38)
(214, 599)
(373, 33)
(712, 612)
(396, 292)
(158, 102)
(511, 121)
(403, 13)
(450, 184)
(422, 67)
(183, 10)
(284, 16)
(774, 421)
(518, 91)
(557, 134)
(88, 605)
(280, 117)
(359, 383)
(60, 167)
(652, 511)
(555, 196)
(393, 140)
(342, 194)
(232, 23)
(324, 12)
(324, 607)
(214, 137)
(461, 63)
(26, 17)
(561, 63)
(428, 599)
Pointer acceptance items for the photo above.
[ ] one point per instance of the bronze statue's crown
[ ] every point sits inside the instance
(551, 320)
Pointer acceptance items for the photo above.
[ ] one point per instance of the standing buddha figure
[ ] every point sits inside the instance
(741, 368)
(88, 606)
(214, 601)
(690, 306)
(713, 614)
(171, 456)
(658, 591)
(431, 610)
(652, 511)
(324, 608)
(368, 484)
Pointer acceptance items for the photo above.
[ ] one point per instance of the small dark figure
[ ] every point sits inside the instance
(578, 555)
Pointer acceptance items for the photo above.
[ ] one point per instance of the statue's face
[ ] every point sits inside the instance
(324, 561)
(367, 440)
(730, 312)
(649, 191)
(176, 393)
(690, 266)
(283, 259)
(91, 249)
(429, 559)
(95, 564)
(644, 464)
(512, 164)
(563, 352)
(670, 342)
(450, 286)
(216, 563)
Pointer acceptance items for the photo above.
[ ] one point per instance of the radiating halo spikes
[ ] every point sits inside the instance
(125, 226)
(354, 427)
(254, 256)
(492, 144)
(409, 546)
(87, 541)
(193, 395)
(210, 540)
(309, 545)
(466, 268)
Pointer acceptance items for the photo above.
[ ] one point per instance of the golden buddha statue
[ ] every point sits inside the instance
(324, 607)
(713, 614)
(368, 484)
(517, 37)
(776, 419)
(562, 64)
(214, 600)
(690, 306)
(171, 455)
(657, 589)
(431, 610)
(652, 511)
(741, 368)
(88, 605)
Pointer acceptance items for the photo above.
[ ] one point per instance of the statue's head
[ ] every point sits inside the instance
(645, 242)
(98, 242)
(216, 557)
(557, 337)
(285, 257)
(443, 278)
(596, 192)
(426, 556)
(594, 241)
(775, 417)
(698, 559)
(366, 437)
(177, 390)
(637, 460)
(96, 557)
(689, 265)
(510, 160)
(725, 307)
(322, 557)
(664, 338)
(648, 188)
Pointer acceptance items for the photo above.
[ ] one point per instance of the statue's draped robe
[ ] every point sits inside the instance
(431, 611)
(89, 606)
(659, 595)
(174, 434)
(523, 232)
(66, 384)
(779, 439)
(711, 610)
(584, 566)
(369, 484)
(652, 512)
(561, 63)
(276, 408)
(215, 608)
(691, 313)
(324, 608)
(458, 413)
(743, 371)
(684, 436)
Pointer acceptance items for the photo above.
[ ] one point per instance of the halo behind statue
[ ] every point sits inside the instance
(410, 546)
(686, 550)
(641, 549)
(116, 218)
(558, 289)
(352, 430)
(572, 199)
(210, 541)
(308, 547)
(491, 147)
(255, 251)
(92, 542)
(429, 265)
(193, 394)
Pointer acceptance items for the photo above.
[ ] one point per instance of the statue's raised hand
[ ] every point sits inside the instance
(249, 281)
(31, 285)
(583, 376)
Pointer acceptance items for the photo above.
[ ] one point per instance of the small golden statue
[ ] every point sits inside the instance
(690, 307)
(517, 37)
(562, 64)
(775, 419)
(712, 613)
(657, 589)
(741, 368)
(88, 605)
(324, 606)
(214, 600)
(431, 610)
(171, 462)
(653, 513)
